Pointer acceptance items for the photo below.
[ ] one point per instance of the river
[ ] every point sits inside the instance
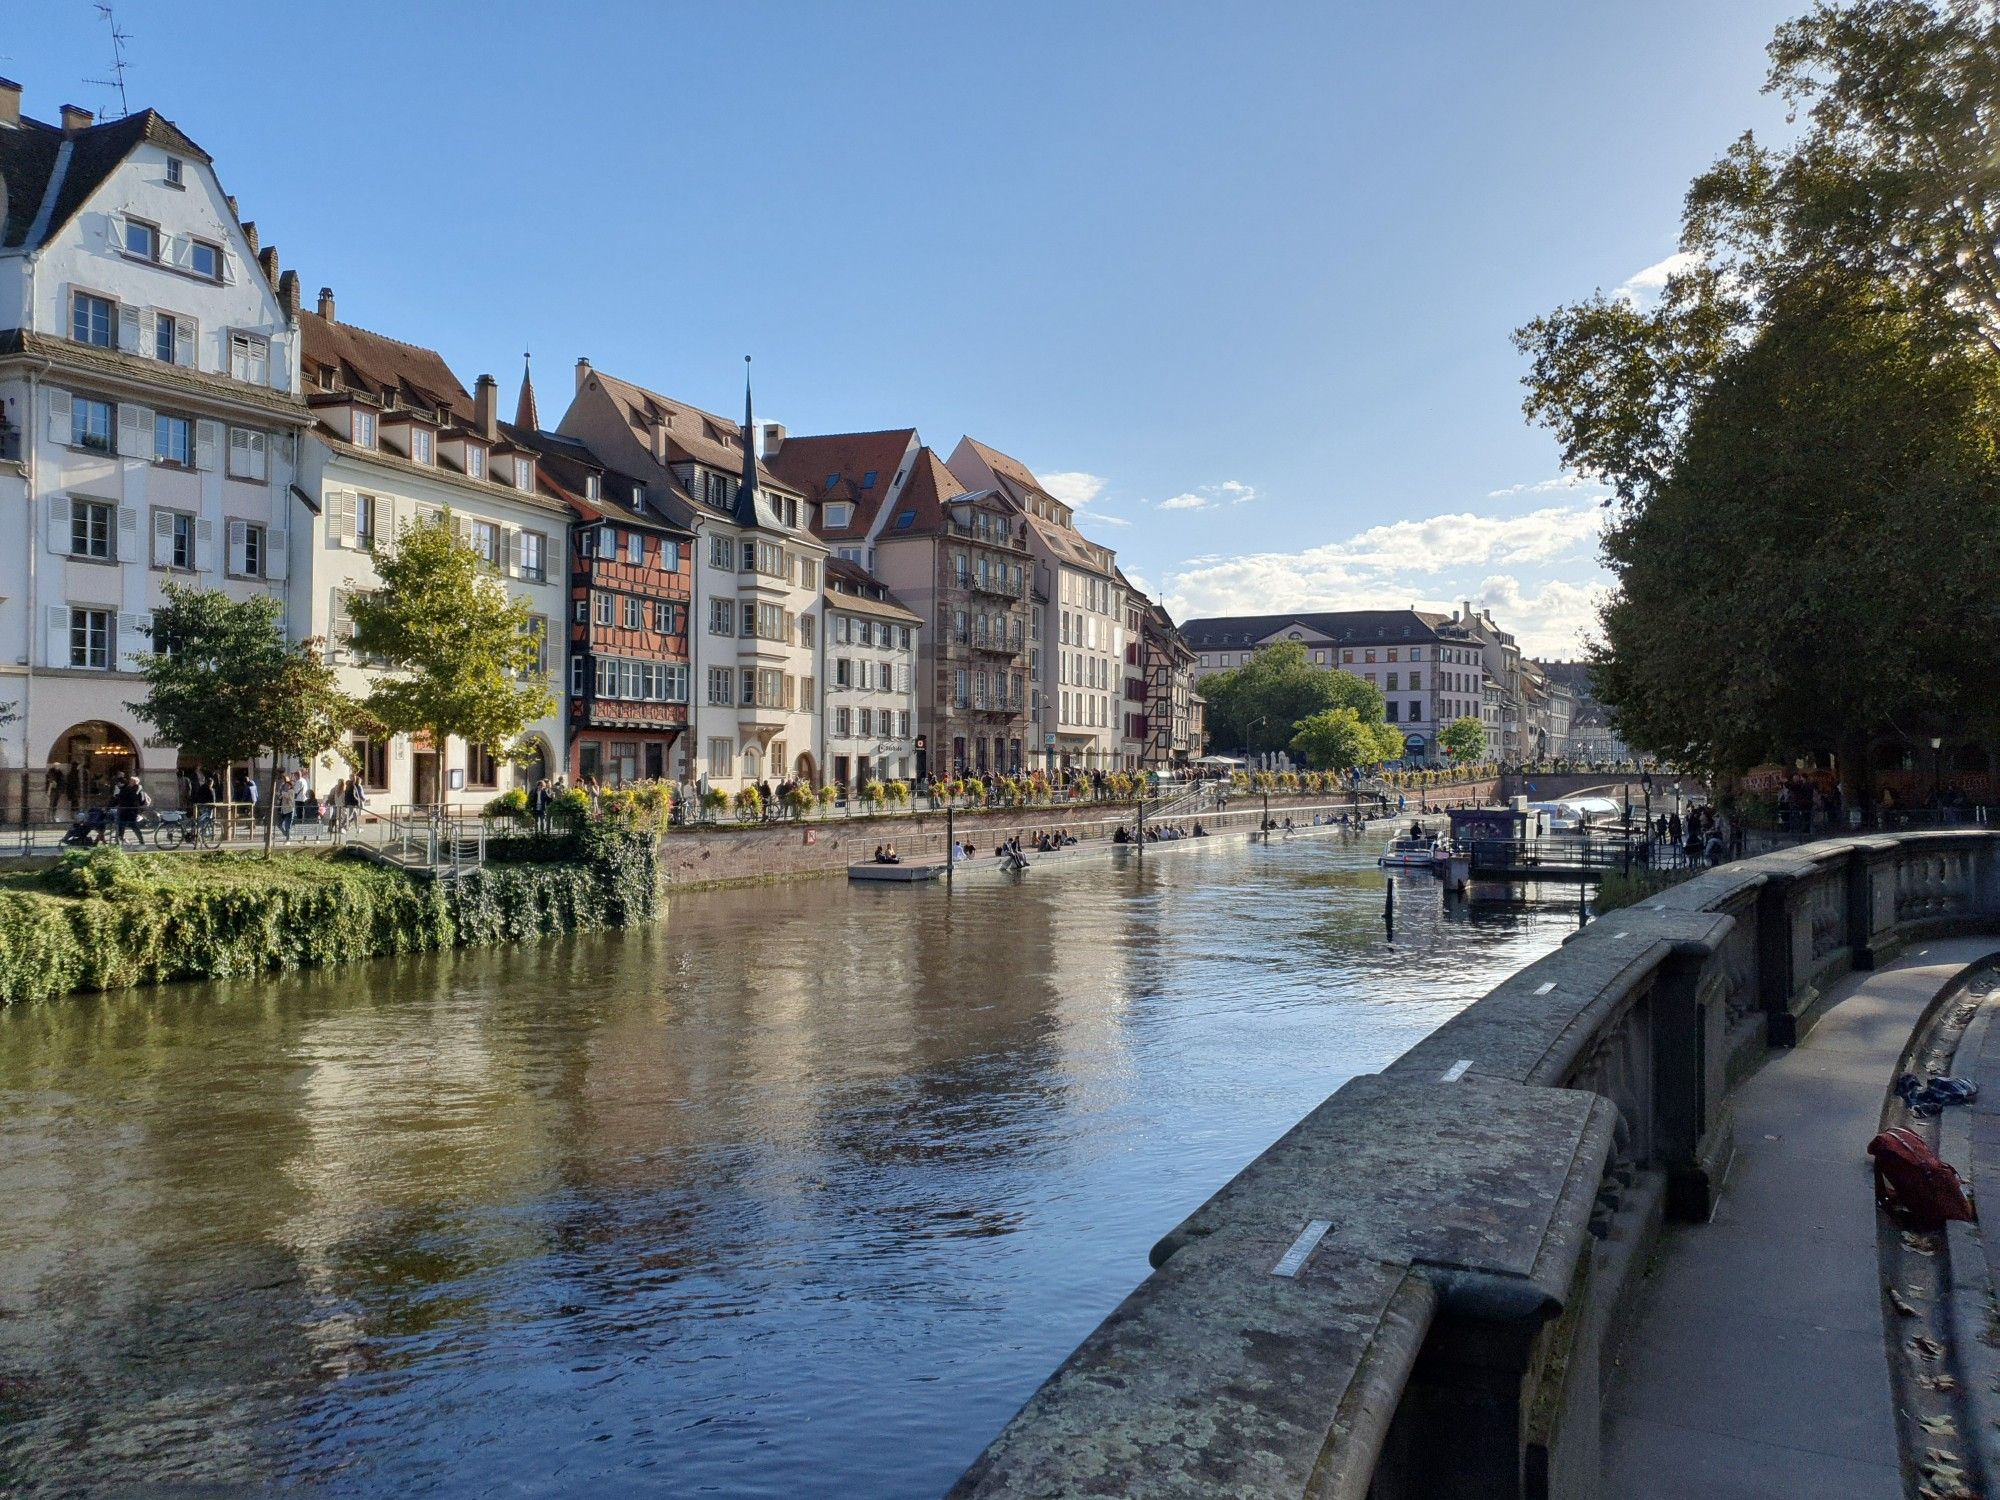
(801, 1192)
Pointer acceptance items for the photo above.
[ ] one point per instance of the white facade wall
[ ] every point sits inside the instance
(870, 703)
(333, 560)
(734, 737)
(117, 497)
(1084, 668)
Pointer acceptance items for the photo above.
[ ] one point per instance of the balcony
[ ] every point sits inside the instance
(992, 584)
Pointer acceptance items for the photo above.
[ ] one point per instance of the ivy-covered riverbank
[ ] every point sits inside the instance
(105, 920)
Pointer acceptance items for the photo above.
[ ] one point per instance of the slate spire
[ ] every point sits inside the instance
(744, 513)
(525, 412)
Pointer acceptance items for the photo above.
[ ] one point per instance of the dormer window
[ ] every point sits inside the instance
(475, 461)
(592, 487)
(364, 429)
(420, 445)
(638, 497)
(839, 514)
(175, 166)
(524, 473)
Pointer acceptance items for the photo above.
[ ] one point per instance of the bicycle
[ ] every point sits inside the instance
(199, 829)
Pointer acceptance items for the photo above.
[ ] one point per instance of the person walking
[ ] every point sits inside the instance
(53, 786)
(286, 793)
(73, 787)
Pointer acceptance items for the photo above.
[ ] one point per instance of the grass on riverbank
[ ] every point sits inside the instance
(104, 919)
(1620, 889)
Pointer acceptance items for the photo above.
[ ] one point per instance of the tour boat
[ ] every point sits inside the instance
(1407, 853)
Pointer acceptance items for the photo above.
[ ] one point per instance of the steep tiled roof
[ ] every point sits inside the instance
(1359, 625)
(851, 587)
(29, 157)
(696, 434)
(377, 365)
(835, 466)
(1069, 545)
(1005, 467)
(565, 468)
(930, 487)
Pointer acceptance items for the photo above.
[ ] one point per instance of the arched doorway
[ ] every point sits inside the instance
(535, 766)
(806, 771)
(91, 755)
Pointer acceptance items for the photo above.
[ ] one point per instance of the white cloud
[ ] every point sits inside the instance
(1100, 518)
(1187, 502)
(1432, 562)
(1235, 493)
(1209, 496)
(1074, 487)
(1562, 483)
(1646, 283)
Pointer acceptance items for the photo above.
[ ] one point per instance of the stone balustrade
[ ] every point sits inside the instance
(1410, 1293)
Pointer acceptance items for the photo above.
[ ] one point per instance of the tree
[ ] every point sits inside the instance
(1463, 740)
(1257, 707)
(1339, 739)
(458, 654)
(223, 683)
(1801, 433)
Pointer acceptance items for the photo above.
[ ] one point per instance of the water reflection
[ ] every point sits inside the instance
(803, 1191)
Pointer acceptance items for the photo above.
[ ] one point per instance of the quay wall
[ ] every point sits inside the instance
(726, 854)
(1411, 1293)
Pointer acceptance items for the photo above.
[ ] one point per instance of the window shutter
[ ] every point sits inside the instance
(128, 329)
(204, 546)
(60, 430)
(163, 538)
(274, 555)
(207, 442)
(464, 529)
(128, 534)
(239, 548)
(135, 431)
(341, 520)
(179, 249)
(59, 524)
(279, 365)
(342, 627)
(184, 342)
(114, 233)
(228, 267)
(513, 553)
(386, 507)
(132, 644)
(58, 636)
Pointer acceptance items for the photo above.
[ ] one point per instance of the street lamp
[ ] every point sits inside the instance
(1937, 774)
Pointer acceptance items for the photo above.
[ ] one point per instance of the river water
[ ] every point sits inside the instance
(802, 1192)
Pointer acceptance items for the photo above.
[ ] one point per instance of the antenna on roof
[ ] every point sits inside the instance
(116, 81)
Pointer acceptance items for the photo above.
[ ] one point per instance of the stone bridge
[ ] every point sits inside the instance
(1419, 1290)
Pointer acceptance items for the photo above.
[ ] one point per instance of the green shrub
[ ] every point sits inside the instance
(1620, 889)
(105, 920)
(512, 803)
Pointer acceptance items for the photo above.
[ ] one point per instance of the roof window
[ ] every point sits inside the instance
(868, 480)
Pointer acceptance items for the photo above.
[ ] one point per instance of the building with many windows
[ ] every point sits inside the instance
(959, 560)
(149, 396)
(631, 569)
(871, 655)
(757, 580)
(397, 442)
(1082, 660)
(1428, 667)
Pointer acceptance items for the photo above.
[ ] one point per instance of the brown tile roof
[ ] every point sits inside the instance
(930, 487)
(692, 433)
(377, 366)
(832, 467)
(1066, 542)
(565, 465)
(28, 158)
(863, 593)
(1005, 467)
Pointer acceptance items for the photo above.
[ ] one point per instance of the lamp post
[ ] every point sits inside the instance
(1937, 774)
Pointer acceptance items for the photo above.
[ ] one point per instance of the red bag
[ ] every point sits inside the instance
(1913, 1185)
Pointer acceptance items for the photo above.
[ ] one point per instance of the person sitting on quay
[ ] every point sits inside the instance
(1120, 836)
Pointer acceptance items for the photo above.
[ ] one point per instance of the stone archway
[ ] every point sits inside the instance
(535, 765)
(90, 755)
(805, 770)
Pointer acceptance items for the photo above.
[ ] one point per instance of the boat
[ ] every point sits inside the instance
(1422, 852)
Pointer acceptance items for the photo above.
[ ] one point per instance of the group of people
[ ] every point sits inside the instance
(1704, 836)
(1165, 832)
(129, 798)
(885, 854)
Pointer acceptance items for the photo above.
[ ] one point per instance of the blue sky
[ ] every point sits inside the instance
(1239, 278)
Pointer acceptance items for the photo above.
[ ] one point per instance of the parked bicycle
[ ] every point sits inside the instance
(198, 828)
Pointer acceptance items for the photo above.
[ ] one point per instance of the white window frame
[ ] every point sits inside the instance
(249, 357)
(248, 442)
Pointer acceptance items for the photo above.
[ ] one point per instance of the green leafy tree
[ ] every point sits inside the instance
(457, 653)
(223, 683)
(1801, 433)
(1256, 707)
(1463, 740)
(1339, 739)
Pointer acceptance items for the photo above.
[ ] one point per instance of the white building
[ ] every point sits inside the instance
(756, 598)
(397, 442)
(149, 358)
(871, 655)
(1083, 636)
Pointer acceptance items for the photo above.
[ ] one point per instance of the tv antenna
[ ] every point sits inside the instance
(117, 79)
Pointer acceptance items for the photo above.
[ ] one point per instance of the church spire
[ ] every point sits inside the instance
(525, 412)
(744, 513)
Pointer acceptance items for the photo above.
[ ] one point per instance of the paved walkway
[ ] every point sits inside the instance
(1757, 1366)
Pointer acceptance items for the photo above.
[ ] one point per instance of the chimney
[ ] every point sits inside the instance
(582, 373)
(660, 441)
(268, 259)
(230, 199)
(774, 438)
(75, 119)
(250, 234)
(10, 104)
(485, 406)
(326, 304)
(288, 294)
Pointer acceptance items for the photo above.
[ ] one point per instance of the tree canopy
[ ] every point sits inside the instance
(1463, 739)
(1256, 707)
(1801, 433)
(1339, 739)
(458, 654)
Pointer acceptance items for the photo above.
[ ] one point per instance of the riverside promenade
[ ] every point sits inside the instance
(1609, 1231)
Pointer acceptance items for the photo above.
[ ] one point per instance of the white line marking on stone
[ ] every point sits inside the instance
(1456, 1071)
(1294, 1259)
(1621, 934)
(1545, 986)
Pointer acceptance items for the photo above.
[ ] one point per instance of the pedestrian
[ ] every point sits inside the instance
(286, 794)
(73, 787)
(53, 786)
